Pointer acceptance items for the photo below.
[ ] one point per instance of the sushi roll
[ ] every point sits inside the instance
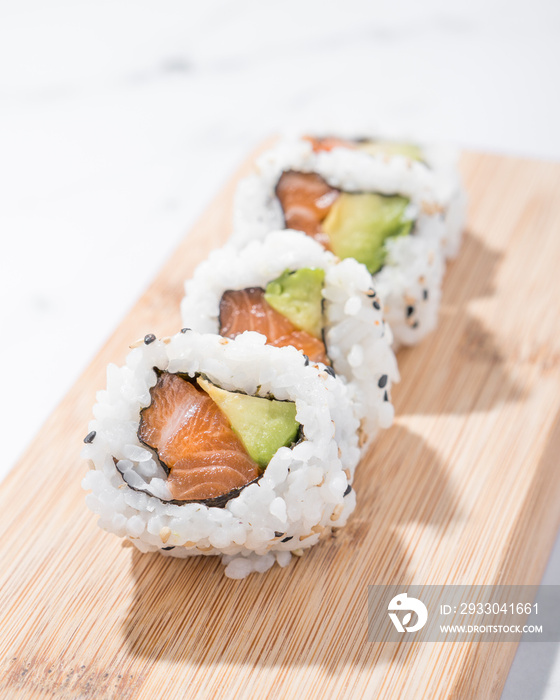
(289, 288)
(384, 212)
(203, 445)
(439, 159)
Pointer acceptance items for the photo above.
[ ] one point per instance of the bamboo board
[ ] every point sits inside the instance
(463, 489)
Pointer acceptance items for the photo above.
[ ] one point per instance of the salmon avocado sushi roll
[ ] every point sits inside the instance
(387, 213)
(206, 445)
(441, 161)
(288, 288)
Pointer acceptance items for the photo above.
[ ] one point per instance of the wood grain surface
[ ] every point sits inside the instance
(463, 489)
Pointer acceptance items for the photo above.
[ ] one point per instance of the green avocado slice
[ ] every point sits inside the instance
(392, 148)
(298, 296)
(358, 225)
(263, 425)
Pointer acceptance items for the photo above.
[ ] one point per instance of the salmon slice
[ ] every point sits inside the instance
(327, 143)
(248, 310)
(194, 441)
(306, 199)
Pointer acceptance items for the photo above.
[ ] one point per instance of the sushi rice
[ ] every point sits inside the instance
(304, 492)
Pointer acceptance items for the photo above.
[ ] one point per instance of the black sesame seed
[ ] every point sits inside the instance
(382, 381)
(376, 305)
(166, 549)
(278, 534)
(425, 295)
(348, 489)
(149, 338)
(370, 293)
(409, 311)
(306, 360)
(330, 370)
(184, 330)
(287, 539)
(385, 396)
(415, 324)
(90, 437)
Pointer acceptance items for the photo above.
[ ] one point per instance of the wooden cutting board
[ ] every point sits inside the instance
(463, 489)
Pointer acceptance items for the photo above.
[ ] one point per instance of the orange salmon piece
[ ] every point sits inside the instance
(306, 200)
(248, 310)
(193, 439)
(327, 143)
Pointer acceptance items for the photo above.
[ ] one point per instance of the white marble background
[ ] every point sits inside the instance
(120, 119)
